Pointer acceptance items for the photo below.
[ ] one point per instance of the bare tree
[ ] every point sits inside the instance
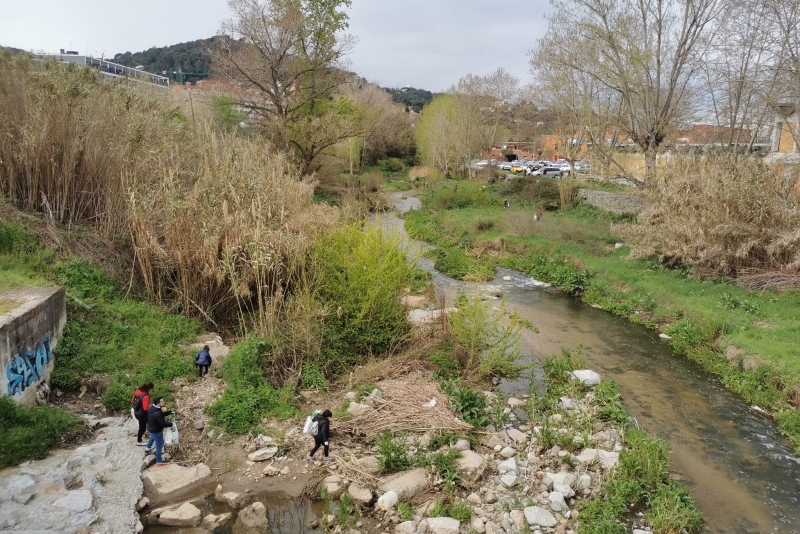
(646, 51)
(287, 58)
(784, 17)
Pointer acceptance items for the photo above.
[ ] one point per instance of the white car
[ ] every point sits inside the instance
(565, 168)
(505, 166)
(482, 163)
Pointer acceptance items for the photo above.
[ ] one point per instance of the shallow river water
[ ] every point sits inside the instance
(741, 472)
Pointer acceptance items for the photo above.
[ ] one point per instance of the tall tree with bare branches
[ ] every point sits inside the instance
(646, 51)
(287, 58)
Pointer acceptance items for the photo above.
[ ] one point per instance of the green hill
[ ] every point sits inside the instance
(412, 97)
(190, 57)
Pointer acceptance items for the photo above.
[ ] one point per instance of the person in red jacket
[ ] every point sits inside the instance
(141, 405)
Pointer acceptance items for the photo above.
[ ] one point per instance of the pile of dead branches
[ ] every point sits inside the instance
(405, 407)
(761, 281)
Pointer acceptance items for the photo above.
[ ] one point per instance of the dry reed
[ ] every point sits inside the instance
(400, 409)
(723, 217)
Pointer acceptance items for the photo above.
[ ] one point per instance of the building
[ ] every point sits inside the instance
(785, 155)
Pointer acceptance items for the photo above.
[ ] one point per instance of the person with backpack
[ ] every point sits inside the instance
(202, 361)
(156, 425)
(321, 430)
(141, 404)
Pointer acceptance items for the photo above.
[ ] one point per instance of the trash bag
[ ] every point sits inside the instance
(171, 436)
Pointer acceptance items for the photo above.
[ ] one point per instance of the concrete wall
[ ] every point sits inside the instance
(31, 323)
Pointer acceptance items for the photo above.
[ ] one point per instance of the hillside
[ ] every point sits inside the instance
(189, 57)
(412, 97)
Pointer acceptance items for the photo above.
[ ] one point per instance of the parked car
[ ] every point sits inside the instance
(535, 170)
(518, 167)
(565, 168)
(504, 166)
(553, 172)
(482, 163)
(583, 167)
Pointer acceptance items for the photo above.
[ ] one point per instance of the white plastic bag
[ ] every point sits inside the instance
(133, 414)
(171, 436)
(307, 426)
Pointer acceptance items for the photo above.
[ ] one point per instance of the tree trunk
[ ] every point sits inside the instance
(650, 165)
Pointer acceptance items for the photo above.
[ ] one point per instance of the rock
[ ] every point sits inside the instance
(262, 455)
(443, 525)
(174, 481)
(355, 409)
(474, 498)
(640, 531)
(489, 497)
(253, 517)
(606, 459)
(586, 377)
(199, 425)
(231, 498)
(477, 525)
(508, 467)
(414, 301)
(213, 522)
(186, 515)
(509, 480)
(493, 528)
(515, 403)
(19, 483)
(424, 317)
(463, 445)
(518, 518)
(556, 418)
(361, 496)
(664, 336)
(567, 404)
(470, 460)
(369, 464)
(539, 517)
(22, 498)
(76, 501)
(584, 481)
(285, 471)
(557, 502)
(142, 504)
(407, 484)
(406, 527)
(516, 435)
(270, 471)
(508, 452)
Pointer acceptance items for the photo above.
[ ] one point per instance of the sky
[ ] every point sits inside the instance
(428, 44)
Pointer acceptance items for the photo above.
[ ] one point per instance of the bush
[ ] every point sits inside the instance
(541, 192)
(360, 276)
(556, 271)
(391, 453)
(28, 433)
(468, 403)
(455, 262)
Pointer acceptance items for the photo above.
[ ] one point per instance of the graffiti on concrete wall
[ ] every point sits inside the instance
(26, 369)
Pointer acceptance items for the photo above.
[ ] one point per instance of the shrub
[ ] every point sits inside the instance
(568, 193)
(467, 402)
(557, 271)
(455, 262)
(360, 276)
(491, 348)
(391, 453)
(541, 192)
(28, 433)
(672, 509)
(406, 512)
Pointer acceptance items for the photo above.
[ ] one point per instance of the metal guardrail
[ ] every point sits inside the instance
(110, 70)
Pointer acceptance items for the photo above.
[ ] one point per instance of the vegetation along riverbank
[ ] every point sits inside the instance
(650, 271)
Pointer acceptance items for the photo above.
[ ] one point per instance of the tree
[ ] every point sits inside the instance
(435, 131)
(288, 56)
(784, 17)
(645, 51)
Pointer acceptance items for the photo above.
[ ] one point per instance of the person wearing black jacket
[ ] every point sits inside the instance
(155, 426)
(202, 361)
(322, 435)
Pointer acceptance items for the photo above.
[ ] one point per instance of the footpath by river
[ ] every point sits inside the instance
(742, 474)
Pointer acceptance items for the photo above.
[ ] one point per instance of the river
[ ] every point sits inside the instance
(742, 473)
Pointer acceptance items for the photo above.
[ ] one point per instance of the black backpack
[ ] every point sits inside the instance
(137, 403)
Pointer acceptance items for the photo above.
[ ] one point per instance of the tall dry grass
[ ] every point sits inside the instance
(722, 217)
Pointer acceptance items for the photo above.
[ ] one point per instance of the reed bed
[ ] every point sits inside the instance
(722, 217)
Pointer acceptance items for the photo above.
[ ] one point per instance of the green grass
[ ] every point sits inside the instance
(575, 250)
(29, 433)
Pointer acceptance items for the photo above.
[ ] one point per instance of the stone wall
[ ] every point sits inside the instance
(31, 322)
(621, 204)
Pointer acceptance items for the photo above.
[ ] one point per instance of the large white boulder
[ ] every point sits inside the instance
(539, 517)
(262, 455)
(508, 467)
(516, 435)
(443, 525)
(174, 481)
(586, 377)
(186, 515)
(361, 496)
(607, 459)
(253, 517)
(470, 460)
(75, 501)
(407, 484)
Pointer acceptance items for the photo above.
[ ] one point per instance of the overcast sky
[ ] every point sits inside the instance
(428, 44)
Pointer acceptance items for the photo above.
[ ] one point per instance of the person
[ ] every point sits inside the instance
(156, 425)
(141, 404)
(506, 204)
(323, 434)
(202, 361)
(538, 216)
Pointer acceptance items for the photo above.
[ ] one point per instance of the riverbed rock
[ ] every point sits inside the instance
(270, 471)
(425, 317)
(507, 467)
(470, 460)
(334, 486)
(567, 403)
(355, 409)
(443, 525)
(252, 518)
(605, 458)
(361, 495)
(508, 452)
(75, 501)
(186, 515)
(517, 517)
(213, 522)
(537, 516)
(587, 377)
(516, 435)
(174, 481)
(514, 402)
(463, 445)
(509, 481)
(407, 484)
(262, 455)
(477, 525)
(406, 527)
(370, 464)
(231, 498)
(557, 502)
